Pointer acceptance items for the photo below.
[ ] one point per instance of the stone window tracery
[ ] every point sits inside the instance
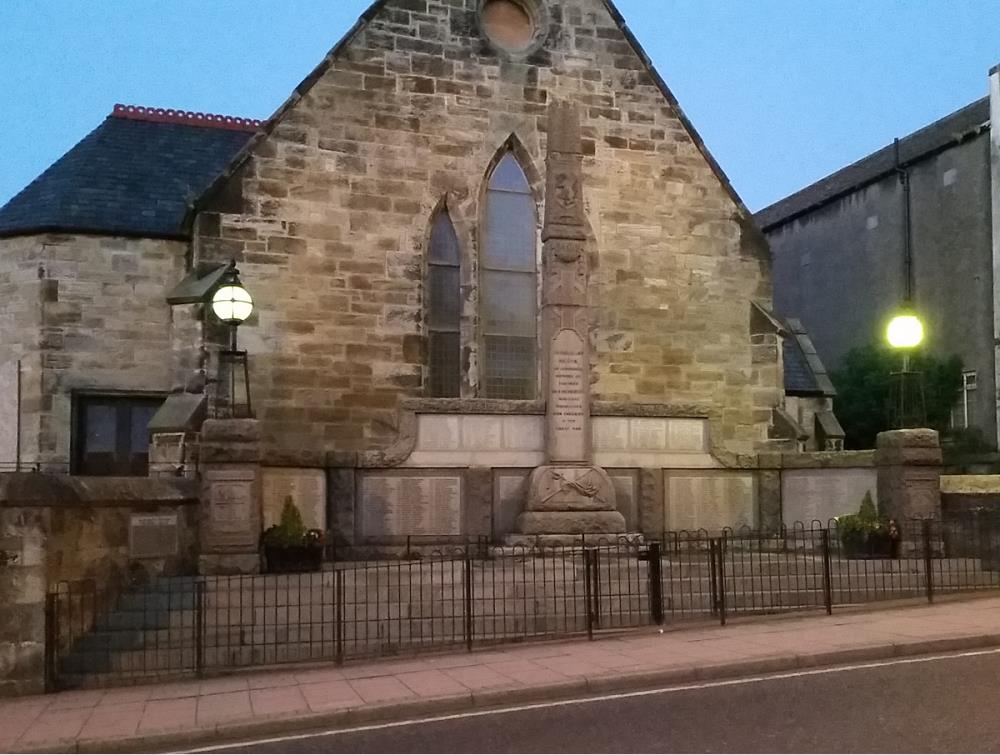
(444, 309)
(508, 285)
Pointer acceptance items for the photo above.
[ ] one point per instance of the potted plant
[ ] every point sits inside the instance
(866, 534)
(289, 546)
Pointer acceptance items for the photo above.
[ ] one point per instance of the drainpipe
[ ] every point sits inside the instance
(995, 204)
(904, 179)
(17, 422)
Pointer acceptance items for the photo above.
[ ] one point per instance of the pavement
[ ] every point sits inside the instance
(198, 712)
(929, 703)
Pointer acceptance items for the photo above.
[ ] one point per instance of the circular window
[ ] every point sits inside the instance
(508, 24)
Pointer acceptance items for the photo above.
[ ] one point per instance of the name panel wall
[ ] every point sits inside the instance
(395, 503)
(651, 442)
(305, 488)
(488, 440)
(709, 500)
(822, 494)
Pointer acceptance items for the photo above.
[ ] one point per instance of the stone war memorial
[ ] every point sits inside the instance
(478, 287)
(501, 291)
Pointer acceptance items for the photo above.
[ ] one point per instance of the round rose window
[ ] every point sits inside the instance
(508, 24)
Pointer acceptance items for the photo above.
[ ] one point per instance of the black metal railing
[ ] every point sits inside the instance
(460, 597)
(471, 595)
(823, 565)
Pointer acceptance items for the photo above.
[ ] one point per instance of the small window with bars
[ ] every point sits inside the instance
(508, 285)
(444, 309)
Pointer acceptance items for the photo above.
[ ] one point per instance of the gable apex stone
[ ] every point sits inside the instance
(421, 6)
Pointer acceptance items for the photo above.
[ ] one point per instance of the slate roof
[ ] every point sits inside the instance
(963, 123)
(804, 371)
(798, 376)
(133, 175)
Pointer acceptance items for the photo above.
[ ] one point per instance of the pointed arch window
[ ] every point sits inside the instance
(508, 284)
(444, 309)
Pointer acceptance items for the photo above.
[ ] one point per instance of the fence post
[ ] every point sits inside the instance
(338, 610)
(928, 566)
(713, 587)
(51, 641)
(720, 550)
(827, 587)
(199, 627)
(595, 565)
(588, 594)
(468, 603)
(655, 573)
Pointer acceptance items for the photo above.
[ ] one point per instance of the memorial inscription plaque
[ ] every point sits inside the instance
(819, 494)
(397, 505)
(153, 535)
(230, 505)
(306, 488)
(709, 501)
(567, 392)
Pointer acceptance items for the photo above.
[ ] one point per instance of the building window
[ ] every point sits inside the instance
(111, 435)
(508, 284)
(444, 309)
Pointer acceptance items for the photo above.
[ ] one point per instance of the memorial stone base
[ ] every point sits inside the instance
(565, 502)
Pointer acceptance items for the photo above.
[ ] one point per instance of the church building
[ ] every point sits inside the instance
(394, 223)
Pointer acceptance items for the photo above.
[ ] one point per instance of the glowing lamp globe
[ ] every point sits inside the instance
(905, 331)
(231, 302)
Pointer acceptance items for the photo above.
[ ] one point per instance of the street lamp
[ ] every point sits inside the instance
(232, 305)
(904, 333)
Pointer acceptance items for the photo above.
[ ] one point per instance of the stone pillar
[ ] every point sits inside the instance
(909, 474)
(569, 496)
(230, 497)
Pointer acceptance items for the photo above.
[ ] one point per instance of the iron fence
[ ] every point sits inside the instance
(473, 594)
(459, 597)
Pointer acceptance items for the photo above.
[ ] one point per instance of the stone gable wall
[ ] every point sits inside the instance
(412, 112)
(90, 314)
(21, 297)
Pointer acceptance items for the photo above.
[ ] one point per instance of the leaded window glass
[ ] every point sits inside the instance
(444, 309)
(508, 285)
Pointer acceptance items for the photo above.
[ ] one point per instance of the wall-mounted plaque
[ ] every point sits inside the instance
(412, 504)
(153, 536)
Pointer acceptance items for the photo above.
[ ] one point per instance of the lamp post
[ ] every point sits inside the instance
(232, 305)
(904, 333)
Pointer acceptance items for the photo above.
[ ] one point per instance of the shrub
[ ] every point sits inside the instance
(291, 532)
(867, 533)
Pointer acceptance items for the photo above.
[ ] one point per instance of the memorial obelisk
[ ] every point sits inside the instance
(569, 496)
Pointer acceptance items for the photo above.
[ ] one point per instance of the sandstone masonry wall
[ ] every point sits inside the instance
(91, 315)
(332, 214)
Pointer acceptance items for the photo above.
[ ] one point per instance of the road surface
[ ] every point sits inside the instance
(933, 704)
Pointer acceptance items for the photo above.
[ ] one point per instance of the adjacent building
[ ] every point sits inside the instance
(839, 249)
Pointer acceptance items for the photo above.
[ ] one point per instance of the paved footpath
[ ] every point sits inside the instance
(190, 713)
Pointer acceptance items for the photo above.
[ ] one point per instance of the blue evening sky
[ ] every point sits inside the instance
(782, 91)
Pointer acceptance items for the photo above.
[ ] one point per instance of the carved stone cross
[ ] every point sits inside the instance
(568, 496)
